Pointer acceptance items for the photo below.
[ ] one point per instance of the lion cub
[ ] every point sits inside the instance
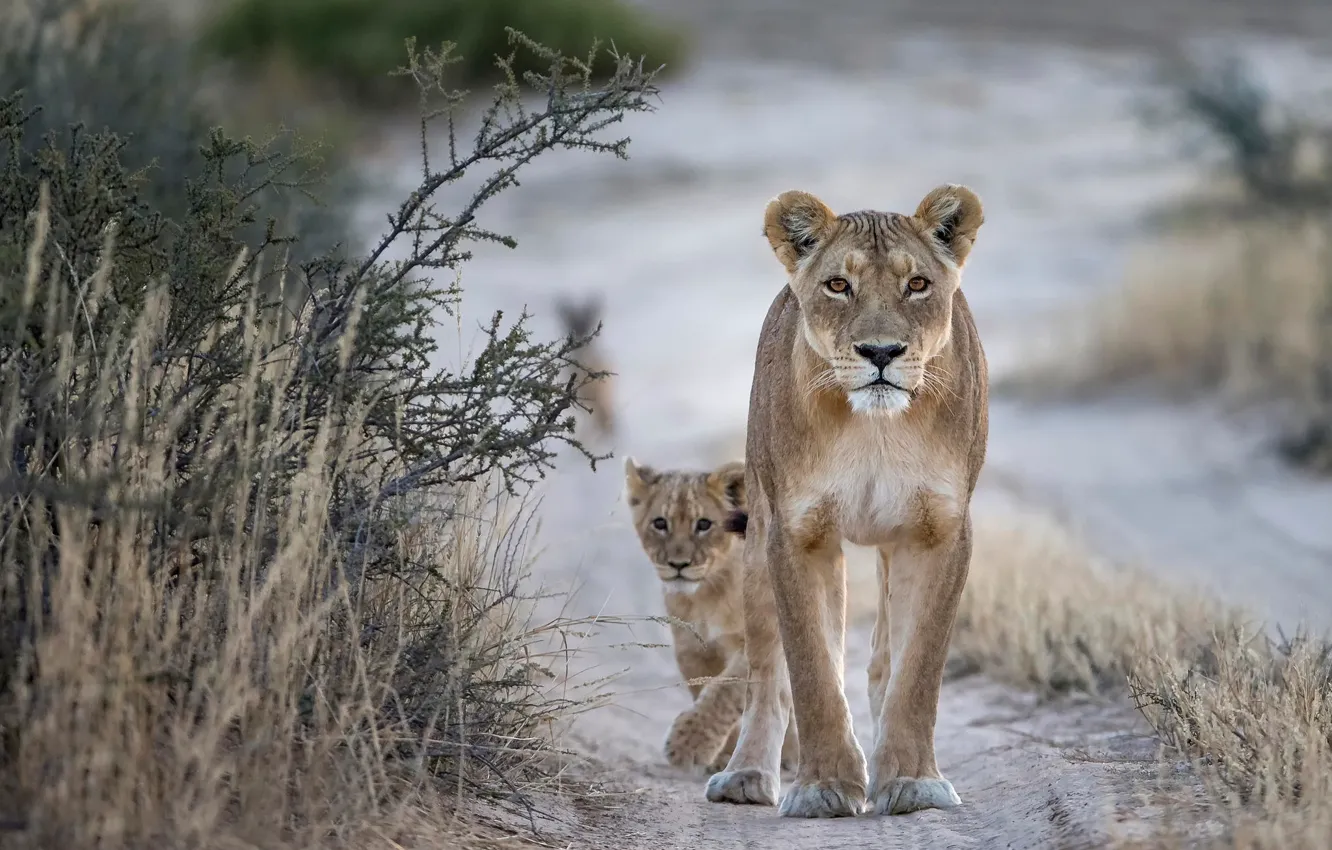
(679, 517)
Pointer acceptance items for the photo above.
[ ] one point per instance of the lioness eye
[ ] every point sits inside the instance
(703, 524)
(660, 523)
(838, 285)
(918, 284)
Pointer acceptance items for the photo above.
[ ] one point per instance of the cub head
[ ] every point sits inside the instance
(875, 288)
(679, 517)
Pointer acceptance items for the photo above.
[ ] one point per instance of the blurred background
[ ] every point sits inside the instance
(1153, 284)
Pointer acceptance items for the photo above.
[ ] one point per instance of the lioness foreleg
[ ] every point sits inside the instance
(926, 585)
(809, 587)
(752, 774)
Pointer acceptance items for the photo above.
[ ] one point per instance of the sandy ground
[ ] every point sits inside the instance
(863, 114)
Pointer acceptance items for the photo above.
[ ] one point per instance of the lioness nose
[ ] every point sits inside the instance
(881, 355)
(679, 565)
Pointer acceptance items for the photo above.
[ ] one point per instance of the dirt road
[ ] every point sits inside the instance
(1048, 134)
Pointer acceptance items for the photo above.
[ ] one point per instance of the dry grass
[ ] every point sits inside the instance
(1041, 613)
(1253, 715)
(247, 687)
(1238, 307)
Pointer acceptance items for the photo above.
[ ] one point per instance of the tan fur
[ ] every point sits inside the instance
(581, 321)
(893, 465)
(700, 574)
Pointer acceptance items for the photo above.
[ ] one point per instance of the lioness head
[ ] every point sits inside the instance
(875, 288)
(679, 518)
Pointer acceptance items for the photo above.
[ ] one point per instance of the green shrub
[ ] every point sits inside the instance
(116, 67)
(256, 588)
(358, 43)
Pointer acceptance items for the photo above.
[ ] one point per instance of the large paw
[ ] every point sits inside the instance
(747, 786)
(823, 798)
(900, 795)
(688, 744)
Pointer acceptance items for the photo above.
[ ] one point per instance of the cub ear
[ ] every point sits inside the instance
(795, 223)
(637, 480)
(951, 215)
(727, 483)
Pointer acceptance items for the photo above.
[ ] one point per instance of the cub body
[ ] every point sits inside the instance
(679, 517)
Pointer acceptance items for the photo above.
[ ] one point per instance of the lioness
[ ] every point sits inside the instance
(867, 422)
(679, 517)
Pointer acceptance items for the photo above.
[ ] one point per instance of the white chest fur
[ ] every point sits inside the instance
(880, 478)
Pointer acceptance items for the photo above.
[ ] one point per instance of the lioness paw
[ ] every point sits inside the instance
(748, 786)
(823, 798)
(901, 795)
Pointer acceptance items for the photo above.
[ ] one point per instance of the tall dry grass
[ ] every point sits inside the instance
(240, 682)
(1251, 714)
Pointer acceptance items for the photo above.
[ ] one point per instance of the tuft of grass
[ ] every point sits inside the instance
(242, 682)
(1252, 715)
(357, 44)
(1039, 612)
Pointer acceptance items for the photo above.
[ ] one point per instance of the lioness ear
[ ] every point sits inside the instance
(727, 483)
(795, 223)
(951, 215)
(637, 479)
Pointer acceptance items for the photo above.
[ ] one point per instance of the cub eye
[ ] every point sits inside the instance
(837, 285)
(660, 523)
(918, 284)
(703, 525)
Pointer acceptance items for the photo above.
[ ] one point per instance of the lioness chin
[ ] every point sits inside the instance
(867, 422)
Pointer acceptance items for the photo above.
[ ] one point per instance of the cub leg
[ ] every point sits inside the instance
(699, 733)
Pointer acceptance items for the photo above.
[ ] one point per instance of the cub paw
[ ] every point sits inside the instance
(688, 745)
(823, 798)
(747, 786)
(901, 795)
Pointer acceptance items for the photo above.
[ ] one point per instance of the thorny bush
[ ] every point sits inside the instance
(214, 500)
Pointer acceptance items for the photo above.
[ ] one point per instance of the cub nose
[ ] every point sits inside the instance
(679, 565)
(881, 355)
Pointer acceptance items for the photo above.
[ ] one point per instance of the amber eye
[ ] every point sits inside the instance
(660, 523)
(918, 284)
(837, 285)
(703, 524)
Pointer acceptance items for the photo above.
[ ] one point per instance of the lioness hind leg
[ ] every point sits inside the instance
(926, 586)
(791, 747)
(880, 666)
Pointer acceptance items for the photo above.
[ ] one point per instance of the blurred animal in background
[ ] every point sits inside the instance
(581, 320)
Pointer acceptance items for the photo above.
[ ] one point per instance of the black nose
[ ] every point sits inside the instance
(881, 355)
(679, 565)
